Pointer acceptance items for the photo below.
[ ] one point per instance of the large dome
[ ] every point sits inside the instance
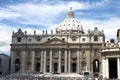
(70, 24)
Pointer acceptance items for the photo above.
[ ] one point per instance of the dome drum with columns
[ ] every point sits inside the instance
(69, 50)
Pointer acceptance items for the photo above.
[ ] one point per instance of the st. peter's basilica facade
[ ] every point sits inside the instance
(68, 50)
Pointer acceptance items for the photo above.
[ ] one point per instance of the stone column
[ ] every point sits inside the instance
(51, 61)
(41, 63)
(66, 59)
(12, 67)
(118, 67)
(33, 60)
(103, 68)
(23, 61)
(44, 62)
(69, 61)
(59, 68)
(78, 60)
(107, 68)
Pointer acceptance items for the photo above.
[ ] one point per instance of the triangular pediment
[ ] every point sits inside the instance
(56, 41)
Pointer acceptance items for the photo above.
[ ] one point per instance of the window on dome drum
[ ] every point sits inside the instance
(19, 39)
(95, 38)
(96, 52)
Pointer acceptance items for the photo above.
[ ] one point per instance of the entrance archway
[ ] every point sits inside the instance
(113, 68)
(55, 67)
(74, 66)
(96, 66)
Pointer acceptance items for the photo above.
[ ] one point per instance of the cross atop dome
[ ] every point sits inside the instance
(70, 13)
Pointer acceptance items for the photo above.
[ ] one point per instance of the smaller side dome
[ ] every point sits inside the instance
(97, 32)
(19, 33)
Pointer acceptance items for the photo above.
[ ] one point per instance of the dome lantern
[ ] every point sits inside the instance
(70, 13)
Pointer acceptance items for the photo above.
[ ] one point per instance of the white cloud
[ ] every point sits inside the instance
(110, 26)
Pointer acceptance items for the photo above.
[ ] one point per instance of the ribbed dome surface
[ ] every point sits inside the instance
(70, 23)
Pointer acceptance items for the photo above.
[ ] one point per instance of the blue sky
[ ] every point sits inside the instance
(40, 15)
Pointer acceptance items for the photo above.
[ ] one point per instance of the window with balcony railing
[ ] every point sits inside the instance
(37, 53)
(55, 52)
(73, 52)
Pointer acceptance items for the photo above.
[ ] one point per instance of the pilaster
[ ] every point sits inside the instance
(50, 61)
(69, 61)
(41, 63)
(59, 68)
(66, 60)
(78, 60)
(33, 60)
(44, 62)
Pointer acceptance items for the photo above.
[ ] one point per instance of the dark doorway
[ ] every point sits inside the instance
(0, 72)
(17, 65)
(37, 67)
(55, 67)
(113, 68)
(73, 67)
(96, 67)
(62, 68)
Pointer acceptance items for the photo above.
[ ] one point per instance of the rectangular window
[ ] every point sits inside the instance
(55, 53)
(37, 53)
(73, 52)
(95, 38)
(19, 39)
(83, 39)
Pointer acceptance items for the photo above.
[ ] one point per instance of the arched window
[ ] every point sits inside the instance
(95, 66)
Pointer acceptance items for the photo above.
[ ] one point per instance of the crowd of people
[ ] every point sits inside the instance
(30, 76)
(45, 78)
